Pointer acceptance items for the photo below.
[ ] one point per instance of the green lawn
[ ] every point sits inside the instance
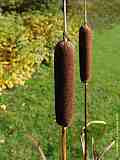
(30, 109)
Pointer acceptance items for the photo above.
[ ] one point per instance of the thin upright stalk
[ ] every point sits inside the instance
(65, 17)
(85, 156)
(64, 144)
(85, 12)
(64, 136)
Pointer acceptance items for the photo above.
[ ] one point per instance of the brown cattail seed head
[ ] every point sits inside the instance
(64, 82)
(85, 52)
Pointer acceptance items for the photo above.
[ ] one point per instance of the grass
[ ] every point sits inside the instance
(30, 109)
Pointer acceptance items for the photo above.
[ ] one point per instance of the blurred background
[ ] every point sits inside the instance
(29, 30)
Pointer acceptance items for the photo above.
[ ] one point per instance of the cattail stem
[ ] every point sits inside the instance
(85, 12)
(65, 17)
(64, 144)
(85, 156)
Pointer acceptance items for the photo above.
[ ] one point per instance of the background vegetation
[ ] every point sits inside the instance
(29, 30)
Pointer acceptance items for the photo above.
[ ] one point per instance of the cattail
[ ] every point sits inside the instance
(85, 51)
(64, 82)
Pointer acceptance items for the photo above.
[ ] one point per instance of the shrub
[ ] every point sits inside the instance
(26, 42)
(20, 6)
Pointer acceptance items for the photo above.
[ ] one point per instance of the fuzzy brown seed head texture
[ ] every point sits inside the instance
(85, 51)
(64, 82)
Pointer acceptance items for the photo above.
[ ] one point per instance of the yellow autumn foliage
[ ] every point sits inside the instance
(23, 50)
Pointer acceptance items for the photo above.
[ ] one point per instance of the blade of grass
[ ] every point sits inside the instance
(36, 144)
(106, 150)
(94, 122)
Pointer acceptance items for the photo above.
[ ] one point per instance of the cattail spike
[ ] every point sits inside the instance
(64, 82)
(85, 52)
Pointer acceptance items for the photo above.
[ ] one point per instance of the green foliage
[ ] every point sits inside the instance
(30, 109)
(26, 42)
(27, 5)
(16, 65)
